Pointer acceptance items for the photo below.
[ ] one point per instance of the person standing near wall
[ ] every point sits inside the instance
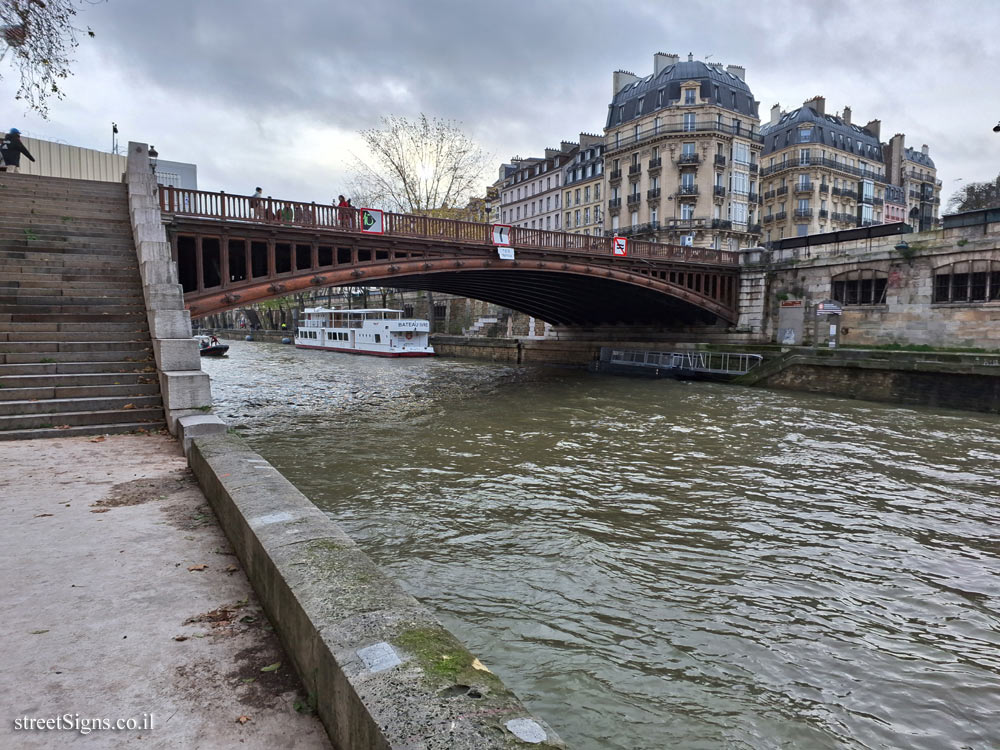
(11, 150)
(257, 203)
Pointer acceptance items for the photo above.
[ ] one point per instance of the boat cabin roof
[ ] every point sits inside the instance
(368, 312)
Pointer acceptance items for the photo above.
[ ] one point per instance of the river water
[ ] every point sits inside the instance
(661, 564)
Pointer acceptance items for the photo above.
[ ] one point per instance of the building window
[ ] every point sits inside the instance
(805, 135)
(741, 153)
(635, 218)
(865, 287)
(586, 194)
(654, 215)
(548, 222)
(597, 192)
(689, 96)
(586, 216)
(968, 281)
(689, 121)
(687, 211)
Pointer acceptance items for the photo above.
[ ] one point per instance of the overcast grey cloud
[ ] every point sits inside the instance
(274, 93)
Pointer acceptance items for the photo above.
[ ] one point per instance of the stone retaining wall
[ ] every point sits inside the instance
(383, 672)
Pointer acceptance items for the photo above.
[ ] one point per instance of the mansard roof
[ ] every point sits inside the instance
(828, 130)
(715, 83)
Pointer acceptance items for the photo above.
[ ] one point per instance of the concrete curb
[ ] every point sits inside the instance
(384, 673)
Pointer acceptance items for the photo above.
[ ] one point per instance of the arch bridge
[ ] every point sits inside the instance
(232, 251)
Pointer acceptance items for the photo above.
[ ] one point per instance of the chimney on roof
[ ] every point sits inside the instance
(567, 146)
(874, 127)
(775, 114)
(551, 152)
(589, 139)
(662, 60)
(621, 79)
(924, 150)
(690, 57)
(817, 104)
(846, 117)
(737, 70)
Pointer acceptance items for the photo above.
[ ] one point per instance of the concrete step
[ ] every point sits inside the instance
(82, 328)
(66, 273)
(76, 368)
(64, 293)
(60, 222)
(30, 182)
(105, 355)
(80, 418)
(60, 301)
(44, 348)
(18, 309)
(44, 286)
(54, 406)
(67, 317)
(83, 430)
(43, 393)
(79, 379)
(86, 261)
(9, 338)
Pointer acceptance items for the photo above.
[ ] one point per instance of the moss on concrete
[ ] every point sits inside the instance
(443, 658)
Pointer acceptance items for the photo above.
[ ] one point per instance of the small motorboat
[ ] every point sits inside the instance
(213, 348)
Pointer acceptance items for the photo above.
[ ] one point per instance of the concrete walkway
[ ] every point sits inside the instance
(120, 600)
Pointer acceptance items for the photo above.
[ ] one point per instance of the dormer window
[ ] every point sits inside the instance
(805, 135)
(689, 96)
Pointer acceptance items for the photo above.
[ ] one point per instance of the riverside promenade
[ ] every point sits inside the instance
(122, 600)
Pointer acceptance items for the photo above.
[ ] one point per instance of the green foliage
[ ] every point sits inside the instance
(975, 195)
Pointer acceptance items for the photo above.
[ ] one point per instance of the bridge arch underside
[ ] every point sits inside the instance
(583, 295)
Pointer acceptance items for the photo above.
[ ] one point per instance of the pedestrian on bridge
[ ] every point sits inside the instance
(257, 203)
(343, 210)
(11, 150)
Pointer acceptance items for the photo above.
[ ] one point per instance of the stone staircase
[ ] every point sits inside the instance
(75, 351)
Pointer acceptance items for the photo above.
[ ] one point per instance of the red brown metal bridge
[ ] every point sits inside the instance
(232, 251)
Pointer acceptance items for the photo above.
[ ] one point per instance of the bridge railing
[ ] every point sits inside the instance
(228, 207)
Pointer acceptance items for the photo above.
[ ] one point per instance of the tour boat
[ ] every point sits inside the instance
(378, 331)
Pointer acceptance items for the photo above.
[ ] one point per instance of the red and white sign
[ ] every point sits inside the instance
(619, 246)
(501, 235)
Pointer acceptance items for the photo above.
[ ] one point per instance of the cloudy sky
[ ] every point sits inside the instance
(273, 93)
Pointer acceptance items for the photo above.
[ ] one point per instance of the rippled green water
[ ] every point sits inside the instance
(655, 564)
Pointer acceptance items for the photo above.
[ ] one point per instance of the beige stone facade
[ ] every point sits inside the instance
(820, 173)
(681, 156)
(531, 195)
(915, 173)
(583, 186)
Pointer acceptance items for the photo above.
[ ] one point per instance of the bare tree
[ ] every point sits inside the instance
(976, 195)
(417, 166)
(36, 38)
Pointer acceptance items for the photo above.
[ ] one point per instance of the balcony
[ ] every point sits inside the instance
(721, 224)
(685, 224)
(768, 195)
(878, 201)
(615, 174)
(753, 198)
(851, 194)
(823, 213)
(836, 191)
(768, 219)
(754, 167)
(783, 190)
(634, 169)
(819, 161)
(780, 216)
(633, 198)
(688, 159)
(655, 163)
(691, 190)
(720, 160)
(824, 188)
(652, 194)
(620, 140)
(614, 203)
(803, 213)
(754, 229)
(803, 187)
(719, 191)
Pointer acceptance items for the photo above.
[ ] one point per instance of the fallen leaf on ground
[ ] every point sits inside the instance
(271, 667)
(100, 510)
(43, 515)
(243, 719)
(62, 426)
(231, 568)
(38, 632)
(180, 637)
(129, 406)
(100, 439)
(248, 680)
(197, 567)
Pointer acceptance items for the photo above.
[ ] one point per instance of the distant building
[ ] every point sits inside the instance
(531, 197)
(62, 160)
(681, 155)
(915, 173)
(820, 172)
(583, 178)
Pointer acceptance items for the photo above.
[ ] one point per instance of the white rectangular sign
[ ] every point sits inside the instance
(501, 234)
(506, 253)
(619, 246)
